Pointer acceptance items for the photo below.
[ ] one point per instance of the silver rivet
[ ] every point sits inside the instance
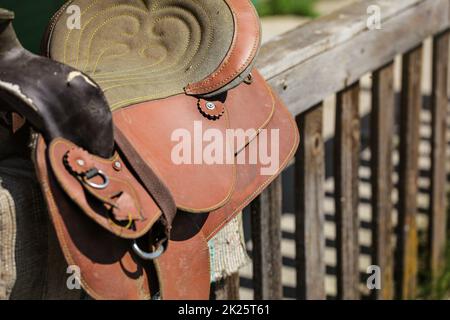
(81, 163)
(210, 106)
(117, 165)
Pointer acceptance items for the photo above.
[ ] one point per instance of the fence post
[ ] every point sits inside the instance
(382, 131)
(346, 157)
(266, 213)
(227, 288)
(407, 243)
(309, 191)
(438, 211)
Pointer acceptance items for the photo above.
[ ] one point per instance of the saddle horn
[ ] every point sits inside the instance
(8, 37)
(59, 102)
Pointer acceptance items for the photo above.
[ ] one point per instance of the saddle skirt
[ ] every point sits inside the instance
(156, 130)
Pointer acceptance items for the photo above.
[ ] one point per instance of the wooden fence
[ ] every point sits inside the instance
(328, 57)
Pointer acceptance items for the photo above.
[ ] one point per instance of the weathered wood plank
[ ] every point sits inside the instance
(309, 190)
(363, 52)
(325, 33)
(438, 210)
(266, 213)
(407, 245)
(382, 131)
(227, 289)
(346, 157)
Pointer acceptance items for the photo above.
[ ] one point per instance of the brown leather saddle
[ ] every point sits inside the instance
(155, 132)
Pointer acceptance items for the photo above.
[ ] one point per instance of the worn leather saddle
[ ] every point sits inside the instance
(155, 131)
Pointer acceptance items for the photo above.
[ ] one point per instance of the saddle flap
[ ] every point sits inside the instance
(195, 156)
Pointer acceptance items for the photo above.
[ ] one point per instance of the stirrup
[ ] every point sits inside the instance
(148, 255)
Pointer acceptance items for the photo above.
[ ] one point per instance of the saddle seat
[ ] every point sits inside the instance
(147, 50)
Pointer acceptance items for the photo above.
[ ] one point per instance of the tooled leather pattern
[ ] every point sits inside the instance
(213, 113)
(78, 161)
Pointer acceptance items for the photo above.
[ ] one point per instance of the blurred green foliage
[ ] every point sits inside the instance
(31, 19)
(440, 290)
(283, 7)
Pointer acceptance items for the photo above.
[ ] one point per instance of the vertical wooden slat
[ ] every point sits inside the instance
(382, 131)
(228, 288)
(438, 213)
(347, 150)
(309, 190)
(407, 243)
(266, 213)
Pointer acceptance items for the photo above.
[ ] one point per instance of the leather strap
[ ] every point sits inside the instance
(151, 182)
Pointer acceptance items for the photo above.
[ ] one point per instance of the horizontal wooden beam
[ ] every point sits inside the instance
(312, 62)
(325, 33)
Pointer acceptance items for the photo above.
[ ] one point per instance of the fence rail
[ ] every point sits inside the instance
(328, 57)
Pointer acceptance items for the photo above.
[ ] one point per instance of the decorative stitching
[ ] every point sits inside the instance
(94, 70)
(70, 31)
(200, 85)
(124, 72)
(100, 27)
(104, 11)
(157, 73)
(144, 78)
(54, 21)
(264, 185)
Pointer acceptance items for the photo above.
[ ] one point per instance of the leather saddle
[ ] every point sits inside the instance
(155, 131)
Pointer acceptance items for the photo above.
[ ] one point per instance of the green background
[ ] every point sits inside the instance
(32, 17)
(281, 7)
